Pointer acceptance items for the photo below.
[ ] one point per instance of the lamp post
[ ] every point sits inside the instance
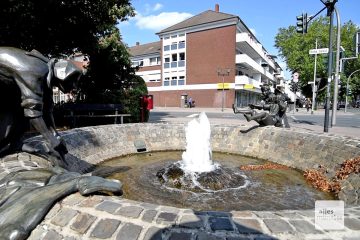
(223, 73)
(347, 88)
(336, 82)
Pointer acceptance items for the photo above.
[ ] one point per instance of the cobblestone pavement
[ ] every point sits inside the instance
(101, 217)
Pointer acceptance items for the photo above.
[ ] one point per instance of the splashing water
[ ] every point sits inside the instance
(197, 157)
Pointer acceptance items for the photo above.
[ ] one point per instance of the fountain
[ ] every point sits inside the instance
(197, 171)
(165, 143)
(204, 180)
(197, 157)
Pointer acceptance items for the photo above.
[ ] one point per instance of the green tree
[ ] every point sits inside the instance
(294, 49)
(59, 26)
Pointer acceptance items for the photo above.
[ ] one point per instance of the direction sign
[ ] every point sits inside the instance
(319, 51)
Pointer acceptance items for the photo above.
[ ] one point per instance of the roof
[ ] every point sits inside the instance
(208, 16)
(144, 49)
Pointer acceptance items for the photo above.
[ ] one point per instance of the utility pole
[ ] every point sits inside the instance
(336, 82)
(330, 4)
(314, 83)
(223, 73)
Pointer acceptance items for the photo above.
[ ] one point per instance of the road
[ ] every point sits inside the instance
(347, 124)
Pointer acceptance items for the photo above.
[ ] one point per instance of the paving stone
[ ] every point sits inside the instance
(105, 228)
(307, 213)
(169, 209)
(108, 206)
(82, 222)
(52, 235)
(278, 226)
(70, 238)
(217, 223)
(218, 214)
(304, 226)
(352, 223)
(207, 236)
(267, 238)
(242, 214)
(149, 206)
(73, 199)
(290, 215)
(191, 221)
(153, 233)
(166, 218)
(37, 234)
(266, 215)
(130, 211)
(248, 226)
(237, 238)
(180, 236)
(55, 209)
(129, 232)
(90, 202)
(64, 217)
(149, 215)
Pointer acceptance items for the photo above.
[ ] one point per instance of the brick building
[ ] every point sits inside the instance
(211, 57)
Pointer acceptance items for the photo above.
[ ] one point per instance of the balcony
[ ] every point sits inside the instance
(241, 81)
(248, 62)
(252, 48)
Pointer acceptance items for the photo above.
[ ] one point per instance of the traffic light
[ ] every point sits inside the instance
(301, 23)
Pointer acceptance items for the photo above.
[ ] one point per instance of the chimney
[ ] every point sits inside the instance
(137, 43)
(216, 7)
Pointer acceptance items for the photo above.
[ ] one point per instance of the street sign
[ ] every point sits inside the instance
(223, 86)
(319, 51)
(248, 86)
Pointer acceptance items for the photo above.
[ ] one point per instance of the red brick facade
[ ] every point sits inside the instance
(206, 52)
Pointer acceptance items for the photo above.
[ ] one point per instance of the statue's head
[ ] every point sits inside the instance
(265, 89)
(67, 75)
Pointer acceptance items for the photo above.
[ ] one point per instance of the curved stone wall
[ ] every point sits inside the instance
(298, 149)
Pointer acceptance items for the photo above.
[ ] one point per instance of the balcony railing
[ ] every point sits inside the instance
(248, 61)
(245, 37)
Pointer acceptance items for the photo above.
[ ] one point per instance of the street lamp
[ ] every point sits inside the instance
(347, 88)
(223, 73)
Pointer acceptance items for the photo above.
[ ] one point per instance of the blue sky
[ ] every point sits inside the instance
(263, 17)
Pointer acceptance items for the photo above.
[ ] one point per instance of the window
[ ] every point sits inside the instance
(167, 62)
(181, 80)
(182, 56)
(173, 81)
(174, 46)
(154, 61)
(174, 60)
(166, 47)
(181, 59)
(167, 81)
(174, 36)
(182, 35)
(134, 63)
(181, 44)
(167, 37)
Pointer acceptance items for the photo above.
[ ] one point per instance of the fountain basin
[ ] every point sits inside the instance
(294, 148)
(86, 216)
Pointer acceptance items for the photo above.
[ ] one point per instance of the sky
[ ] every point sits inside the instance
(262, 17)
